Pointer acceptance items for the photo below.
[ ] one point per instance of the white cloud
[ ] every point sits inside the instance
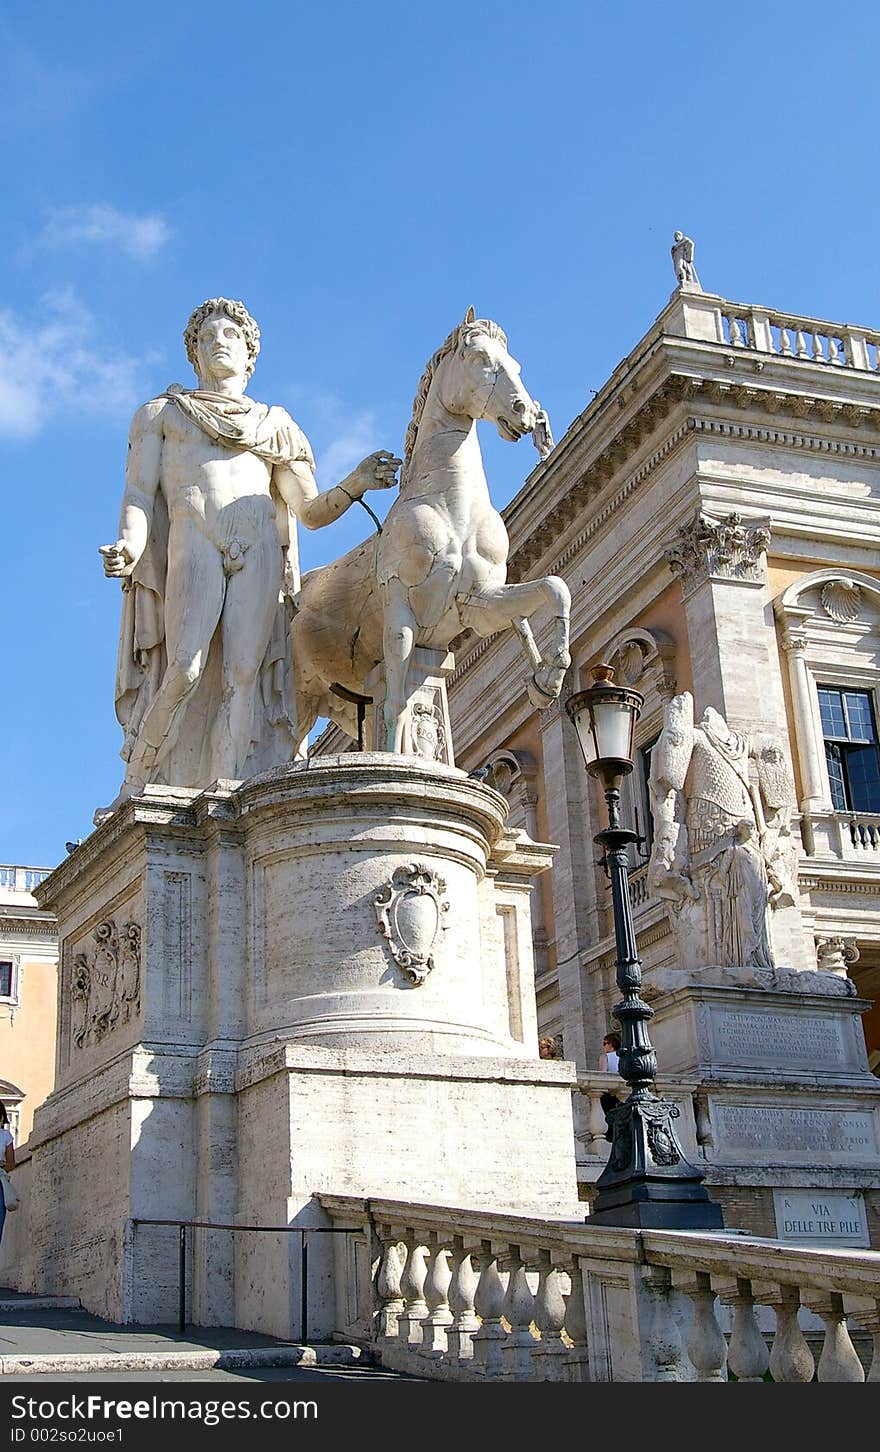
(55, 363)
(353, 442)
(339, 437)
(139, 237)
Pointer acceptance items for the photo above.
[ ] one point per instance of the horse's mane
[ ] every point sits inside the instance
(476, 325)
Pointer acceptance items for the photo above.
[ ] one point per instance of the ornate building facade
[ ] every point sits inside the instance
(715, 511)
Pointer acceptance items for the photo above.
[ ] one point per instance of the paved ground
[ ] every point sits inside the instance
(50, 1336)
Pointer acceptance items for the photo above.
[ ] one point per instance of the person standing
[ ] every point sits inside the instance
(609, 1059)
(609, 1063)
(7, 1155)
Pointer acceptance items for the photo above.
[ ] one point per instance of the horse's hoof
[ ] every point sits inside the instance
(544, 687)
(539, 696)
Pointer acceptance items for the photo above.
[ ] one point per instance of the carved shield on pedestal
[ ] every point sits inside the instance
(410, 910)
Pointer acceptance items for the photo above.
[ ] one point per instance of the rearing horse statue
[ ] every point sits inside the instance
(439, 565)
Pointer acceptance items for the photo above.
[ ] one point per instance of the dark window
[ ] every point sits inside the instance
(635, 803)
(851, 749)
(5, 980)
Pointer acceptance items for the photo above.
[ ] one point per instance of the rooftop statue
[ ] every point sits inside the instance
(723, 855)
(683, 261)
(439, 565)
(207, 558)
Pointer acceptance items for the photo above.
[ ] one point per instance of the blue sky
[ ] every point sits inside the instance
(358, 175)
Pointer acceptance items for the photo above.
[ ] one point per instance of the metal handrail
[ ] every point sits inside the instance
(301, 1230)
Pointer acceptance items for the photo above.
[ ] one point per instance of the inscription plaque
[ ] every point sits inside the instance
(821, 1217)
(769, 1039)
(769, 1132)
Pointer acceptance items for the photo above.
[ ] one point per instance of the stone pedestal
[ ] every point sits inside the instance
(427, 732)
(783, 1096)
(318, 980)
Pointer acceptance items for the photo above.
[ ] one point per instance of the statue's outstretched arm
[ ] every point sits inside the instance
(296, 484)
(141, 482)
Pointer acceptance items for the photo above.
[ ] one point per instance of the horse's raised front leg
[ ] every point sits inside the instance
(514, 605)
(398, 639)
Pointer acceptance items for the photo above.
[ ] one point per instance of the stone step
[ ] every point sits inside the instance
(20, 1301)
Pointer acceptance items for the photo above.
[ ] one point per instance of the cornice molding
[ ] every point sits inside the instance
(675, 388)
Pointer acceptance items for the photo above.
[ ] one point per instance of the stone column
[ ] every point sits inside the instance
(573, 882)
(726, 596)
(807, 723)
(734, 653)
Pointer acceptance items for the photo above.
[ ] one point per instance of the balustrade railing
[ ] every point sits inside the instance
(14, 878)
(808, 339)
(864, 831)
(472, 1296)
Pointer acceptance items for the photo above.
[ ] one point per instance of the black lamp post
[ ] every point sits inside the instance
(647, 1182)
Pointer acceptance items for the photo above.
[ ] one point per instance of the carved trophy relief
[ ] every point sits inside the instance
(105, 982)
(411, 911)
(724, 856)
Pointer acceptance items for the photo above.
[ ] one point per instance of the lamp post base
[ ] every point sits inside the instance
(631, 1213)
(648, 1183)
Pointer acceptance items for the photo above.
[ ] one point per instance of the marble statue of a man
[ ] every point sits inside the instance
(207, 558)
(683, 261)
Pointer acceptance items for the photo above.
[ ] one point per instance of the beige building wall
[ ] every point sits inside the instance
(28, 1011)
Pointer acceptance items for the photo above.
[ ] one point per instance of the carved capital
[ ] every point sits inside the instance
(719, 549)
(836, 954)
(793, 635)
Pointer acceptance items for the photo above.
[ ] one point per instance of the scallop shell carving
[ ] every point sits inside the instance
(841, 599)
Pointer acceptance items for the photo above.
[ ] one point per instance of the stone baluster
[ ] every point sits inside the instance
(597, 1123)
(800, 345)
(818, 350)
(871, 1323)
(388, 1283)
(736, 337)
(839, 1360)
(489, 1304)
(791, 1359)
(834, 352)
(785, 347)
(576, 1366)
(519, 1306)
(747, 1355)
(436, 1293)
(549, 1313)
(666, 1360)
(462, 1292)
(706, 1346)
(412, 1285)
(855, 346)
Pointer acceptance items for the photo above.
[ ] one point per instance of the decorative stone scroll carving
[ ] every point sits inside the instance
(411, 909)
(723, 856)
(836, 954)
(645, 661)
(719, 549)
(106, 982)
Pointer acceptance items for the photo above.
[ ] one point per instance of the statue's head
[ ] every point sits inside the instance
(714, 722)
(679, 237)
(244, 341)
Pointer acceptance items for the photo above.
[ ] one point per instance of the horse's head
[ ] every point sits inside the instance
(482, 380)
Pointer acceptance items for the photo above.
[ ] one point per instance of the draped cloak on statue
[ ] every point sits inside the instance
(270, 433)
